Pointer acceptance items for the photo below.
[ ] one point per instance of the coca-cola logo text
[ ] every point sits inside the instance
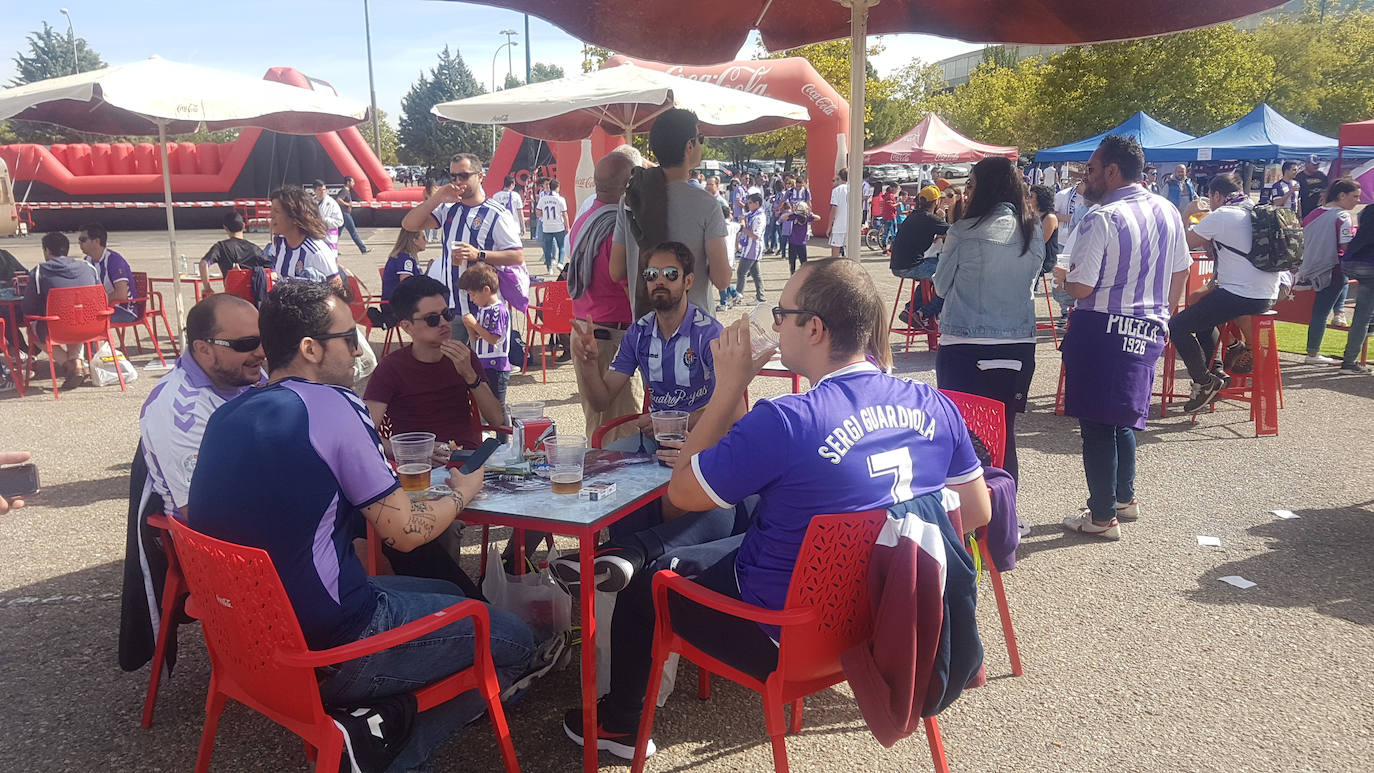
(823, 103)
(741, 77)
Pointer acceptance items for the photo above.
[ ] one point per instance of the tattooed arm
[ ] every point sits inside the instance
(406, 525)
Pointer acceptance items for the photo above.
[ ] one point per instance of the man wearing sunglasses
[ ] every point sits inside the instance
(295, 468)
(222, 359)
(428, 386)
(473, 229)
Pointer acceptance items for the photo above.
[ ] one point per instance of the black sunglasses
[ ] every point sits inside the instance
(432, 320)
(670, 274)
(780, 314)
(241, 345)
(463, 175)
(349, 335)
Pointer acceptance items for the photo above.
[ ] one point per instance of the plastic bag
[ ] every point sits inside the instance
(103, 365)
(605, 610)
(533, 597)
(366, 361)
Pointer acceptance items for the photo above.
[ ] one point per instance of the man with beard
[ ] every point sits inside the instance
(670, 346)
(223, 358)
(1127, 268)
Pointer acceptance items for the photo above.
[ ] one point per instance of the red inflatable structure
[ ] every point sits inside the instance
(791, 80)
(63, 185)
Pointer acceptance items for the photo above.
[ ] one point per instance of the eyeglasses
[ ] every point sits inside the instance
(464, 176)
(84, 239)
(670, 274)
(351, 336)
(701, 139)
(432, 320)
(780, 314)
(241, 345)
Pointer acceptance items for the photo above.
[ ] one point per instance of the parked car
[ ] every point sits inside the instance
(954, 170)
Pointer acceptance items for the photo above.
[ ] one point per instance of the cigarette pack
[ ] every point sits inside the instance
(595, 492)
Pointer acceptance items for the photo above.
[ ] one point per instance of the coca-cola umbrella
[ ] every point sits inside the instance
(623, 100)
(157, 96)
(709, 31)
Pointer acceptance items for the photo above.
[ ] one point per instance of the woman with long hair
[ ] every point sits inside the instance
(987, 268)
(298, 249)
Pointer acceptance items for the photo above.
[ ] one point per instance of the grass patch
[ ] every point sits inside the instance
(1292, 337)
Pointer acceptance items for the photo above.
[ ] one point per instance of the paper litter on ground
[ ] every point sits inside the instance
(1238, 581)
(1285, 514)
(1209, 542)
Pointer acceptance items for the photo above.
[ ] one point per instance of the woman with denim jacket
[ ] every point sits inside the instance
(986, 273)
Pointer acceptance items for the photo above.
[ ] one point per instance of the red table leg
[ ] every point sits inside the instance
(585, 548)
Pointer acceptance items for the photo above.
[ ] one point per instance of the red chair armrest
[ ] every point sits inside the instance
(388, 639)
(667, 581)
(36, 318)
(600, 433)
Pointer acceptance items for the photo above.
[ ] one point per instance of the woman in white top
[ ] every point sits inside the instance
(298, 249)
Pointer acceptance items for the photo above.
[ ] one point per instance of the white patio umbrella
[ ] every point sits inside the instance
(622, 100)
(157, 96)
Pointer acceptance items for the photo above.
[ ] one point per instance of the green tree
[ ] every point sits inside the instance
(390, 142)
(1324, 74)
(1001, 105)
(594, 56)
(540, 72)
(424, 139)
(49, 56)
(1001, 56)
(903, 108)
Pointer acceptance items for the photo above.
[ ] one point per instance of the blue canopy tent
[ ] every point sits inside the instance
(1146, 130)
(1261, 135)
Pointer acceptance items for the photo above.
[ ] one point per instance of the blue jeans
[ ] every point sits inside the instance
(748, 267)
(1109, 463)
(410, 666)
(553, 244)
(1333, 297)
(1360, 322)
(498, 380)
(771, 232)
(352, 229)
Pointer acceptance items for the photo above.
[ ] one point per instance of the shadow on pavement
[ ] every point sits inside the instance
(1317, 560)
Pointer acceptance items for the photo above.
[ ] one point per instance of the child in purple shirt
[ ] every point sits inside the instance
(751, 246)
(488, 325)
(801, 219)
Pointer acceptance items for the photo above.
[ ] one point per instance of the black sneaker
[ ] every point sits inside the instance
(925, 323)
(905, 316)
(614, 567)
(612, 736)
(375, 734)
(1203, 394)
(1354, 369)
(552, 654)
(1221, 374)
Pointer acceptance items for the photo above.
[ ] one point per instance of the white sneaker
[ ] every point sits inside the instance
(1023, 529)
(1082, 523)
(1128, 511)
(1340, 321)
(1319, 359)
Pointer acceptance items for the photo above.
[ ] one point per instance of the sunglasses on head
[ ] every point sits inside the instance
(241, 345)
(448, 315)
(669, 274)
(351, 336)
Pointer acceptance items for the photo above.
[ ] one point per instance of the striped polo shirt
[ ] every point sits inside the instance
(678, 370)
(1127, 250)
(486, 226)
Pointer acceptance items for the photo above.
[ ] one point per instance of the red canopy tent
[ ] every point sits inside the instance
(1359, 134)
(932, 141)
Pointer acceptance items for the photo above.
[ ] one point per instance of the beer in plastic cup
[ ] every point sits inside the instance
(414, 454)
(669, 426)
(761, 335)
(566, 456)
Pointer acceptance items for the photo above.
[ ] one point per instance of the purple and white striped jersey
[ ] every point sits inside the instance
(486, 226)
(679, 371)
(1128, 250)
(494, 319)
(313, 259)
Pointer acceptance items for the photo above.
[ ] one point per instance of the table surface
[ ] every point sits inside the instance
(634, 475)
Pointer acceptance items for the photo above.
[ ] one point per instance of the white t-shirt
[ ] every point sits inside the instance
(1051, 177)
(1230, 225)
(552, 210)
(866, 189)
(511, 201)
(839, 198)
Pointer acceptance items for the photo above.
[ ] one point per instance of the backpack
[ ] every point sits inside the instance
(1275, 239)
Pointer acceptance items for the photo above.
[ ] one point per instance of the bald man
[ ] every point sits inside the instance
(598, 299)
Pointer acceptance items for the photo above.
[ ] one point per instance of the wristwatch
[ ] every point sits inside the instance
(482, 255)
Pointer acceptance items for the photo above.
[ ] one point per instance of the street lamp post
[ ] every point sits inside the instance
(507, 44)
(371, 84)
(71, 33)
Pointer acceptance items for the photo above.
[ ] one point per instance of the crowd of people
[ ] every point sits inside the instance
(264, 390)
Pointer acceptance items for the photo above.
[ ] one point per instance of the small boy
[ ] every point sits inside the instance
(489, 328)
(801, 218)
(751, 246)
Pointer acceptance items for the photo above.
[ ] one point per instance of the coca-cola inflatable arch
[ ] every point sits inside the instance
(792, 80)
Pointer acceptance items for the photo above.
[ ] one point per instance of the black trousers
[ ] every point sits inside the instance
(957, 368)
(1194, 330)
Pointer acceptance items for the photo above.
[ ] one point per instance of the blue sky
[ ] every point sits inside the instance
(325, 38)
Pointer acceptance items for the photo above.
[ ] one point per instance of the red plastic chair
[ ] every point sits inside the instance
(259, 657)
(358, 304)
(827, 613)
(173, 590)
(155, 308)
(76, 315)
(986, 418)
(16, 375)
(138, 297)
(550, 314)
(239, 281)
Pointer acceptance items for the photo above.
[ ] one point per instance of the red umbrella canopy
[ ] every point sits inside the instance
(710, 31)
(932, 141)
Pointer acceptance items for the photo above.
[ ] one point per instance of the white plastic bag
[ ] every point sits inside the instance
(366, 361)
(605, 609)
(534, 597)
(104, 364)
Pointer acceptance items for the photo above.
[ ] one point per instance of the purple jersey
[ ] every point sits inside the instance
(398, 264)
(494, 319)
(112, 268)
(1282, 188)
(756, 221)
(858, 440)
(1128, 250)
(792, 195)
(679, 371)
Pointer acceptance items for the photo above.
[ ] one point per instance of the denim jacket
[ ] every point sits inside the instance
(986, 279)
